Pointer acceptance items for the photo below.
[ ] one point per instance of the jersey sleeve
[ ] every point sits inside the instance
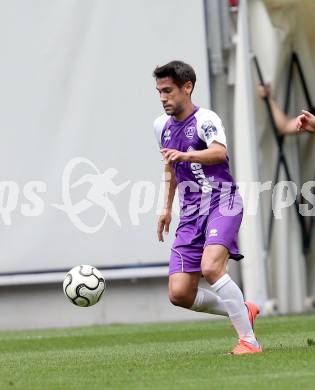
(158, 127)
(210, 128)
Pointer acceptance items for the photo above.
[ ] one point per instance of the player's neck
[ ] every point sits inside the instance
(189, 109)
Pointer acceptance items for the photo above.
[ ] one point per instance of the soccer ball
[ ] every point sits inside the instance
(84, 285)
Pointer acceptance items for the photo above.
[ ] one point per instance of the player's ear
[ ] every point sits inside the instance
(188, 87)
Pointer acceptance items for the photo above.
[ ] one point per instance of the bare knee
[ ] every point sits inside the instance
(212, 272)
(183, 288)
(214, 262)
(179, 297)
(213, 269)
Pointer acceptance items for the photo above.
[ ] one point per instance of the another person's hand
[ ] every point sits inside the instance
(264, 90)
(305, 122)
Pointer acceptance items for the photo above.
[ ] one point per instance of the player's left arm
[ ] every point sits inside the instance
(214, 154)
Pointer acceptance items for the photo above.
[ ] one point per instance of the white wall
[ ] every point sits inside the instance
(125, 301)
(76, 80)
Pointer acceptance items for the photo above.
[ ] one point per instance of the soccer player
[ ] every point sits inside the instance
(193, 144)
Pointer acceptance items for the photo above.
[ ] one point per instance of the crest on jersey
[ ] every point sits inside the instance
(213, 233)
(209, 129)
(167, 135)
(190, 131)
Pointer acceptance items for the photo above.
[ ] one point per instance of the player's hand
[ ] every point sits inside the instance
(173, 155)
(305, 122)
(164, 225)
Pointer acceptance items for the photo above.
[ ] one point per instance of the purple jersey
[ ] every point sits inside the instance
(196, 182)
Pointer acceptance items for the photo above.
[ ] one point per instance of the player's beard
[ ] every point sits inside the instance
(177, 110)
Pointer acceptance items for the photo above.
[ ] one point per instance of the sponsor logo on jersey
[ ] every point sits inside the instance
(209, 129)
(190, 131)
(167, 135)
(199, 174)
(201, 178)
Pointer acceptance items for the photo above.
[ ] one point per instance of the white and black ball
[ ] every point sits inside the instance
(84, 285)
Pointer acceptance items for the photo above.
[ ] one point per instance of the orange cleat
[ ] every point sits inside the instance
(243, 347)
(253, 312)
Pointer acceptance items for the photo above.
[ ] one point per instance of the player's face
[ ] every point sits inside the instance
(172, 97)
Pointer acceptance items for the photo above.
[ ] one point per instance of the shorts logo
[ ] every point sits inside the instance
(190, 131)
(167, 135)
(213, 233)
(209, 129)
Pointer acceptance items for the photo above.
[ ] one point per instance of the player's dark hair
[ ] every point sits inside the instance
(179, 71)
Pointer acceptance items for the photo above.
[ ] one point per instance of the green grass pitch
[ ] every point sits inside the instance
(160, 356)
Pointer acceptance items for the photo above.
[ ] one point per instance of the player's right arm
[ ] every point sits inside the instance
(170, 188)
